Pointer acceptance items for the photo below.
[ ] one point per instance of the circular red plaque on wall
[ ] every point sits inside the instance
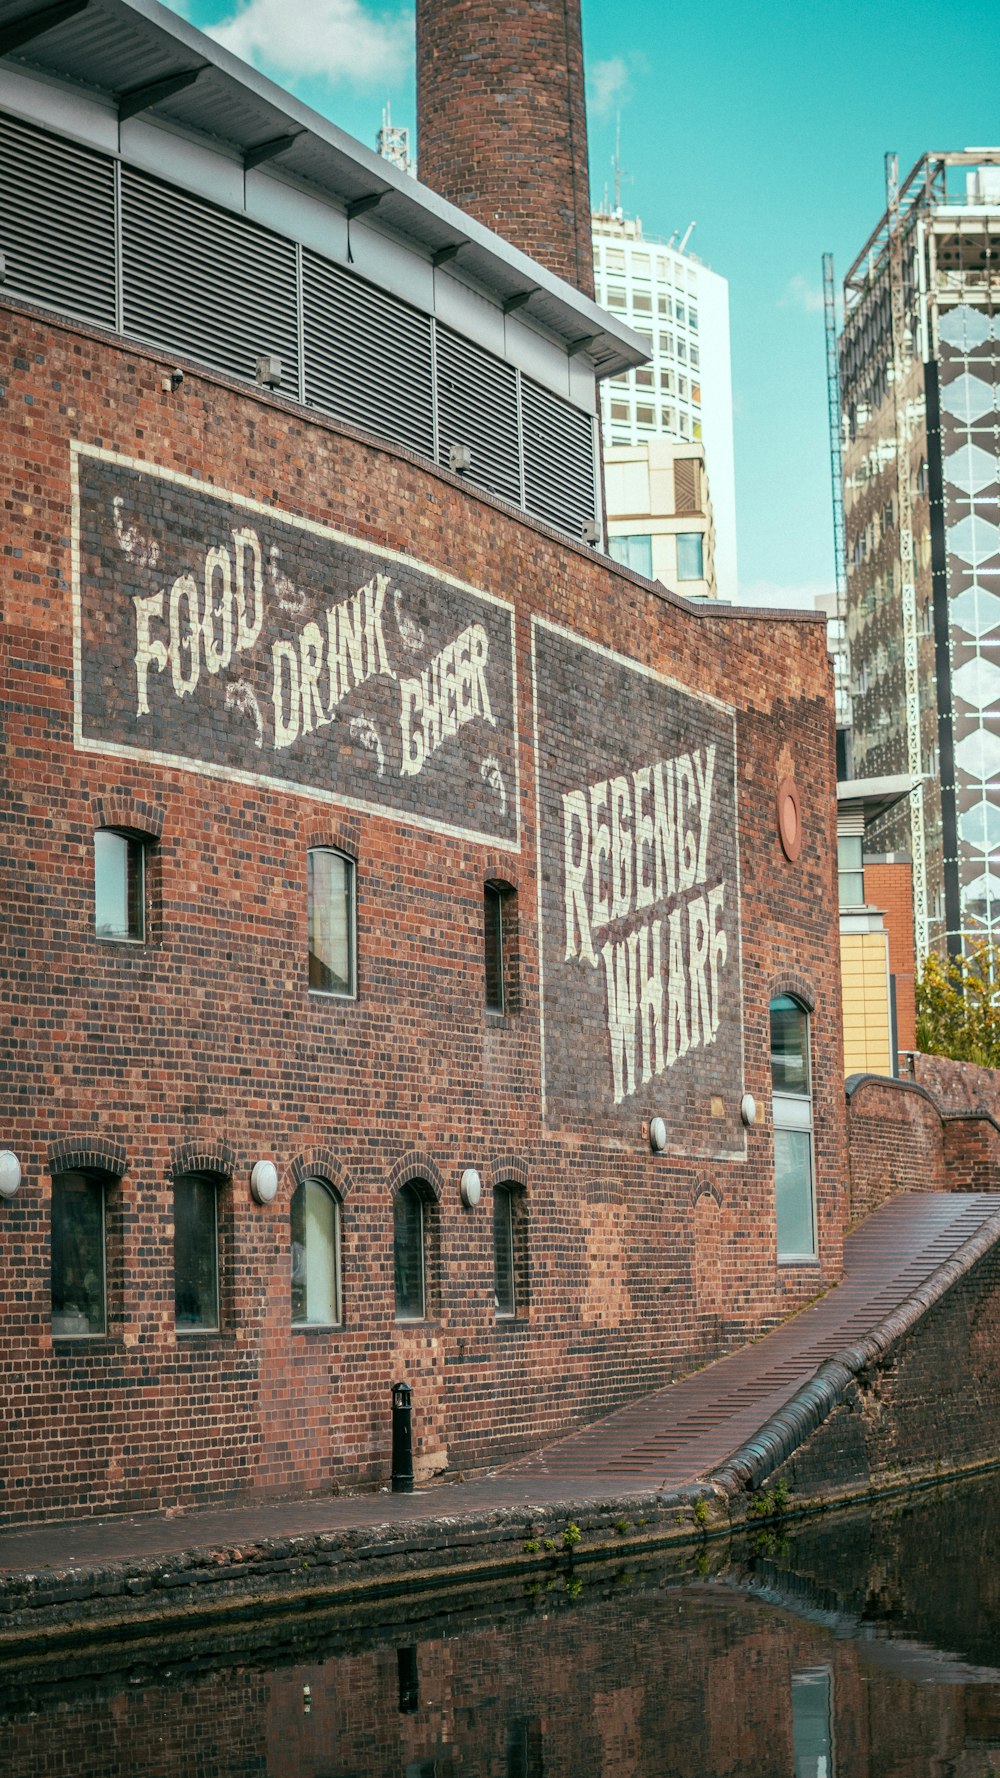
(789, 819)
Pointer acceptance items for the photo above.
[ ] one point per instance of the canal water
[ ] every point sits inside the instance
(858, 1645)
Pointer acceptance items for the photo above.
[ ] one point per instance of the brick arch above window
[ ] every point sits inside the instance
(88, 1153)
(507, 1169)
(130, 814)
(322, 1164)
(602, 1191)
(416, 1169)
(203, 1154)
(337, 835)
(707, 1188)
(796, 986)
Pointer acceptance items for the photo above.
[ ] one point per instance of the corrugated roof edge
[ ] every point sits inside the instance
(425, 218)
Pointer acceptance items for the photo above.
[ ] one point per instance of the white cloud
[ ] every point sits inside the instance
(793, 596)
(608, 87)
(800, 294)
(336, 40)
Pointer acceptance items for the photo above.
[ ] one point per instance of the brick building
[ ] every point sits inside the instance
(394, 889)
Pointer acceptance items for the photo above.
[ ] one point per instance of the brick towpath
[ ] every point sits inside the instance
(661, 1443)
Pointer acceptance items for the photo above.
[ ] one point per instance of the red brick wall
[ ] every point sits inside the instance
(206, 1042)
(971, 1151)
(958, 1086)
(502, 123)
(890, 887)
(895, 1142)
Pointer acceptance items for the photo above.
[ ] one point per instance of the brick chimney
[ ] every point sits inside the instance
(502, 123)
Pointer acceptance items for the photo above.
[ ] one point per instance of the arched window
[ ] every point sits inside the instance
(196, 1254)
(78, 1262)
(315, 1256)
(791, 1090)
(409, 1269)
(331, 918)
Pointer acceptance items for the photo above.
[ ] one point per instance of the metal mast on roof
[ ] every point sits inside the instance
(902, 354)
(836, 468)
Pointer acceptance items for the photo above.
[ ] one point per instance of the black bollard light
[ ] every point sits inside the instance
(402, 1439)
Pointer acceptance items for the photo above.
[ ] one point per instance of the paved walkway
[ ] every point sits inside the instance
(662, 1442)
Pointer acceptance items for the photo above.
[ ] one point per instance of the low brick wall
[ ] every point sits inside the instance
(895, 1141)
(958, 1086)
(971, 1151)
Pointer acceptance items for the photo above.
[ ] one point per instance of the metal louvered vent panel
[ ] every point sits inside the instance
(558, 460)
(368, 357)
(57, 223)
(206, 283)
(477, 407)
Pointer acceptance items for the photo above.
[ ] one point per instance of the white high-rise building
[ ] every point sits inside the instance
(681, 309)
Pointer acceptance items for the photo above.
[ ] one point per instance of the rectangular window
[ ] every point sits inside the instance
(619, 410)
(119, 886)
(644, 378)
(690, 563)
(78, 1273)
(633, 552)
(408, 1254)
(850, 870)
(503, 1251)
(642, 302)
(331, 923)
(616, 296)
(493, 947)
(666, 379)
(196, 1255)
(663, 304)
(644, 416)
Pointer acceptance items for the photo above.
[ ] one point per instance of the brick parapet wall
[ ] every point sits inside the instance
(971, 1151)
(502, 123)
(958, 1086)
(204, 1048)
(895, 1141)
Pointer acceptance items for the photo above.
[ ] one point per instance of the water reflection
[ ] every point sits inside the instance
(847, 1648)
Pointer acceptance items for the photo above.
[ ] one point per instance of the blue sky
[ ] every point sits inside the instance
(766, 125)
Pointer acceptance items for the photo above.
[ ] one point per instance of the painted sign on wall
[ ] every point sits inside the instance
(223, 635)
(639, 898)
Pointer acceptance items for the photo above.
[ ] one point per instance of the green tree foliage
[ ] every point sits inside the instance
(958, 1006)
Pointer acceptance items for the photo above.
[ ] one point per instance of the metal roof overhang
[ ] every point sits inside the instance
(138, 55)
(872, 797)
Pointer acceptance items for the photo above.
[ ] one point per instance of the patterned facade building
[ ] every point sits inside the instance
(395, 913)
(919, 356)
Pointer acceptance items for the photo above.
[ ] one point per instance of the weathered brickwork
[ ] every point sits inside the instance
(932, 1402)
(202, 1050)
(958, 1086)
(502, 123)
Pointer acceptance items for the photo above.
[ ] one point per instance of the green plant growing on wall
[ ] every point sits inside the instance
(571, 1537)
(958, 1006)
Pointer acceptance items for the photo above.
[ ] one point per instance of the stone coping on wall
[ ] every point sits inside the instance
(750, 1467)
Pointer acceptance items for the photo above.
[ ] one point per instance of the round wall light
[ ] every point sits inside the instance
(472, 1187)
(264, 1181)
(657, 1135)
(10, 1172)
(748, 1108)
